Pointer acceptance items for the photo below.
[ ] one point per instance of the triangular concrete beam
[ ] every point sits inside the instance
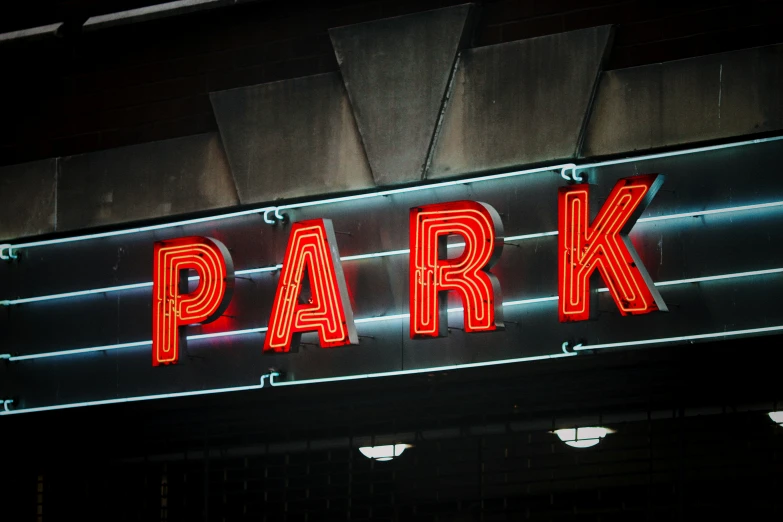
(291, 138)
(520, 103)
(397, 74)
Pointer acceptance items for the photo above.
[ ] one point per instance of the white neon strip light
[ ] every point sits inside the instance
(231, 333)
(135, 230)
(631, 159)
(120, 346)
(382, 318)
(132, 399)
(76, 351)
(530, 236)
(77, 293)
(287, 383)
(424, 370)
(519, 302)
(254, 270)
(521, 172)
(698, 213)
(264, 210)
(417, 188)
(664, 340)
(388, 253)
(396, 373)
(705, 279)
(403, 251)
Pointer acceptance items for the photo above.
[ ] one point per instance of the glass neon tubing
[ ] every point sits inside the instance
(629, 159)
(231, 333)
(264, 210)
(287, 383)
(302, 382)
(135, 230)
(664, 340)
(388, 253)
(684, 152)
(277, 209)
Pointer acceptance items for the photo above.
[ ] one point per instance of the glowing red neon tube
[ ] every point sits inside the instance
(173, 307)
(604, 246)
(432, 274)
(311, 294)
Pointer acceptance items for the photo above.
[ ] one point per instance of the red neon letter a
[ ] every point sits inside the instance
(327, 309)
(172, 306)
(605, 246)
(432, 274)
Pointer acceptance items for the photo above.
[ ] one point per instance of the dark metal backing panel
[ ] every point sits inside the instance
(675, 249)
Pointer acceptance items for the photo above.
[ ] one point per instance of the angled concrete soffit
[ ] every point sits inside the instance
(397, 72)
(291, 138)
(687, 101)
(151, 180)
(510, 106)
(520, 103)
(31, 208)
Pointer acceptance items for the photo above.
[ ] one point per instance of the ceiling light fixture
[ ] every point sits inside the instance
(777, 416)
(582, 437)
(384, 453)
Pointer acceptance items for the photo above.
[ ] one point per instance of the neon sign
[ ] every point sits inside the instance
(432, 274)
(311, 294)
(173, 307)
(379, 281)
(604, 246)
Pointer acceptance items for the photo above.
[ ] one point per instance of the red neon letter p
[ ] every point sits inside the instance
(312, 252)
(432, 274)
(604, 246)
(173, 307)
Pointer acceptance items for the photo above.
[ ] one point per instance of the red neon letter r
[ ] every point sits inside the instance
(432, 274)
(605, 246)
(327, 310)
(173, 307)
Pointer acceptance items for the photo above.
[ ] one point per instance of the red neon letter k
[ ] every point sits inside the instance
(432, 273)
(605, 246)
(173, 307)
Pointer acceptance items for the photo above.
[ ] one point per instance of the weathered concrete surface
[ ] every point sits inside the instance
(520, 102)
(687, 101)
(163, 178)
(396, 72)
(291, 138)
(28, 192)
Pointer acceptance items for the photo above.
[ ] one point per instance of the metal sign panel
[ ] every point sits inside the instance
(710, 240)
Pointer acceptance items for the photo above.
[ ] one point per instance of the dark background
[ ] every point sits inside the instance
(693, 440)
(86, 91)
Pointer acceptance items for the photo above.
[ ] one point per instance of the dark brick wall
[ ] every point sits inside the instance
(685, 448)
(149, 81)
(647, 31)
(685, 469)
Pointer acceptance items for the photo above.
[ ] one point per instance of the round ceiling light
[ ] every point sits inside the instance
(384, 453)
(582, 437)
